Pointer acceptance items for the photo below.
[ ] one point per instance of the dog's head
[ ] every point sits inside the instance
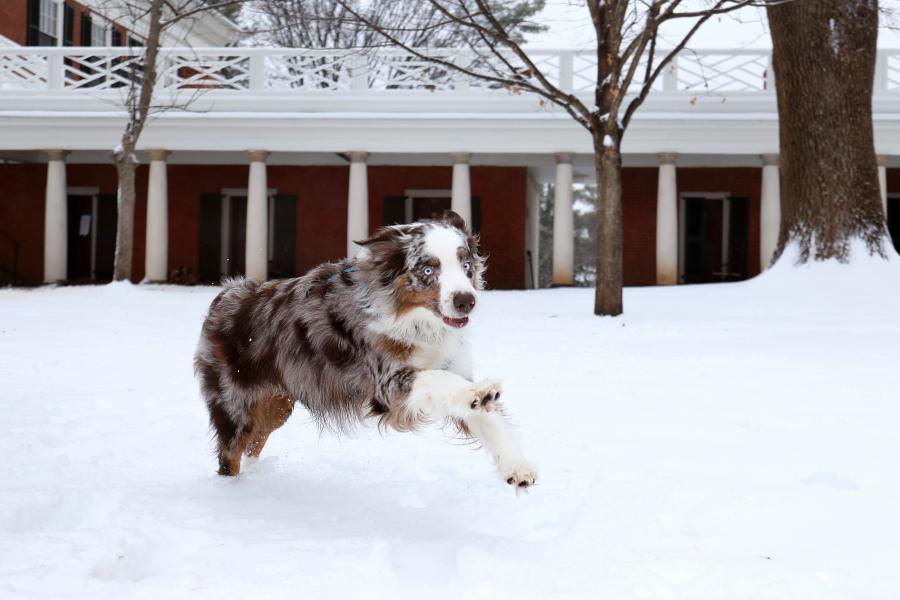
(431, 267)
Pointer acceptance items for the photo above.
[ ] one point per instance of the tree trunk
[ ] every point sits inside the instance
(608, 164)
(824, 61)
(126, 168)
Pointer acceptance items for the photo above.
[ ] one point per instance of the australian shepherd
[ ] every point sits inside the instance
(379, 335)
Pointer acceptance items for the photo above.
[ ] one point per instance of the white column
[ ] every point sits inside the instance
(156, 261)
(55, 218)
(461, 194)
(769, 210)
(357, 201)
(882, 181)
(563, 223)
(256, 264)
(667, 221)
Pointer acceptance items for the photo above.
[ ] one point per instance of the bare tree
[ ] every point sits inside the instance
(824, 59)
(629, 60)
(157, 15)
(332, 24)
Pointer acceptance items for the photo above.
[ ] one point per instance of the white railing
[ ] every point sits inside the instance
(258, 70)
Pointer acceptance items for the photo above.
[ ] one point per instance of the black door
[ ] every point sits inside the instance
(694, 240)
(283, 261)
(80, 238)
(210, 238)
(738, 239)
(107, 222)
(237, 236)
(394, 210)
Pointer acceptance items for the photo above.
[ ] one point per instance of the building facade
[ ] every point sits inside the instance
(278, 159)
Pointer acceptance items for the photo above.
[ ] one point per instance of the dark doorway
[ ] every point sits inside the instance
(893, 221)
(80, 238)
(715, 239)
(283, 246)
(91, 233)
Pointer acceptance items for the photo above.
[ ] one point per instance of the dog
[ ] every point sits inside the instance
(380, 335)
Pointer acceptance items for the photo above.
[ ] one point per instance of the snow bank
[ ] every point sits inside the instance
(717, 441)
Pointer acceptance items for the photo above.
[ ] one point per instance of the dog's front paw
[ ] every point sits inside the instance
(518, 473)
(484, 395)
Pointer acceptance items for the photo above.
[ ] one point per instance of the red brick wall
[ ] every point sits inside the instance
(639, 212)
(14, 20)
(639, 231)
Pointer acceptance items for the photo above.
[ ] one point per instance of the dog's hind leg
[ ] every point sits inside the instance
(231, 439)
(268, 415)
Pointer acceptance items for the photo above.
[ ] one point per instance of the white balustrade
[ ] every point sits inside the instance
(387, 70)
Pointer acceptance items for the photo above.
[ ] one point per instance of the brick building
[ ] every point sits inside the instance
(314, 149)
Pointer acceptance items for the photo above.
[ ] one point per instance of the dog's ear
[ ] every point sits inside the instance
(386, 252)
(454, 220)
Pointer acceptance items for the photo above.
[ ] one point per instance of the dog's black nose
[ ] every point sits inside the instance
(464, 302)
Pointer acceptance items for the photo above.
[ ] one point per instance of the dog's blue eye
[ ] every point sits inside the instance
(467, 266)
(428, 271)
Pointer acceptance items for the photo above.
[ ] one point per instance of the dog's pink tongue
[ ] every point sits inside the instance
(458, 323)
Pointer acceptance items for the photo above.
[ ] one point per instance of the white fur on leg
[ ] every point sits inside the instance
(437, 393)
(491, 430)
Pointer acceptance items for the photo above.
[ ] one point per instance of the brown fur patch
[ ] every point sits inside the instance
(408, 296)
(268, 415)
(395, 349)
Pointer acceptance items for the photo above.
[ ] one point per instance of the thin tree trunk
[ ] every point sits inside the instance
(126, 168)
(824, 60)
(608, 164)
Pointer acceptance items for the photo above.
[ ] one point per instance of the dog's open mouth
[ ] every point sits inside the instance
(458, 323)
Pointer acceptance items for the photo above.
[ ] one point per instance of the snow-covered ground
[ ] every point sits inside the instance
(723, 441)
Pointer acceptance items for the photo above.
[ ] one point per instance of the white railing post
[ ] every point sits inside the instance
(567, 71)
(881, 72)
(55, 74)
(460, 81)
(670, 76)
(257, 71)
(769, 77)
(359, 71)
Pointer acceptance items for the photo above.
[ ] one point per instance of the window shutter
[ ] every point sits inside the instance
(33, 33)
(86, 30)
(68, 25)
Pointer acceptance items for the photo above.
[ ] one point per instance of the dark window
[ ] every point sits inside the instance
(116, 37)
(394, 210)
(134, 42)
